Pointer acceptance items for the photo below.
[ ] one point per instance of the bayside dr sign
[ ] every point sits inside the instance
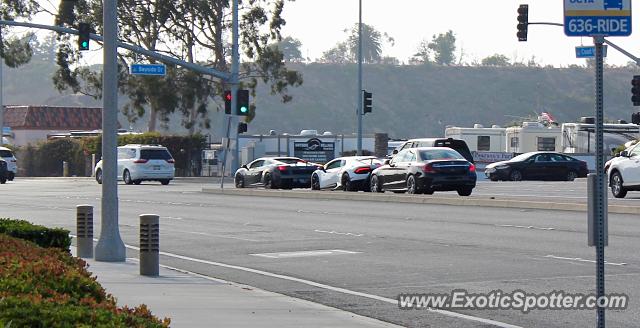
(597, 17)
(148, 69)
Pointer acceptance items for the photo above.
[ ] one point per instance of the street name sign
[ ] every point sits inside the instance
(589, 52)
(597, 17)
(148, 69)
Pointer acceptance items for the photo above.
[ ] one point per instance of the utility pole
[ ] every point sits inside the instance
(1, 92)
(110, 247)
(235, 72)
(359, 98)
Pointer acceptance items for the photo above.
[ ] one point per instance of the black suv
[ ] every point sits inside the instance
(3, 171)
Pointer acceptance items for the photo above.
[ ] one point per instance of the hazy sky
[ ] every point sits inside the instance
(482, 27)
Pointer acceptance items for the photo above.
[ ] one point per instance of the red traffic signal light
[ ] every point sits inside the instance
(523, 22)
(227, 101)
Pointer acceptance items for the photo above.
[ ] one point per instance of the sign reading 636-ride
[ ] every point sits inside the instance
(597, 17)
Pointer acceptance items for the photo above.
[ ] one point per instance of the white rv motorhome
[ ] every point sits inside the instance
(533, 136)
(479, 138)
(580, 137)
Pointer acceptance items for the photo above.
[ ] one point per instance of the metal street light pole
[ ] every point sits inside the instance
(235, 71)
(110, 247)
(1, 99)
(359, 97)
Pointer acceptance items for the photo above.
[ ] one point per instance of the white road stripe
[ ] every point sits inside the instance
(577, 259)
(304, 253)
(522, 227)
(339, 233)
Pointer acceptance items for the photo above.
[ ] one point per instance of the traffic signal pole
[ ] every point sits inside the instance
(359, 99)
(235, 71)
(110, 247)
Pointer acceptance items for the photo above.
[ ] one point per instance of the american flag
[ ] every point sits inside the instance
(544, 116)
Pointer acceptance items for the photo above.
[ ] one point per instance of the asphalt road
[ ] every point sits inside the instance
(384, 248)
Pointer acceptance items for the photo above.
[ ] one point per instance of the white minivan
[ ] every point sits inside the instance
(137, 163)
(12, 167)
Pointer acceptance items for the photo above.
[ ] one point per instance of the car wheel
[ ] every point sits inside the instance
(126, 176)
(11, 176)
(3, 180)
(465, 191)
(375, 184)
(617, 189)
(571, 176)
(99, 176)
(493, 178)
(515, 175)
(428, 191)
(137, 182)
(165, 182)
(346, 183)
(411, 185)
(268, 182)
(239, 181)
(315, 182)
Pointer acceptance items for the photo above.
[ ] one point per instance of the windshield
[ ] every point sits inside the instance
(520, 158)
(290, 160)
(5, 153)
(435, 154)
(155, 154)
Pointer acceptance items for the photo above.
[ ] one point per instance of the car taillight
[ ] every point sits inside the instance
(362, 170)
(282, 168)
(171, 160)
(140, 161)
(472, 168)
(428, 168)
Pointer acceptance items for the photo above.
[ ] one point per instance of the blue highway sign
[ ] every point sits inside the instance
(597, 17)
(148, 69)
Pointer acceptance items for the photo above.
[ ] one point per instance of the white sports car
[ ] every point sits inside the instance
(349, 173)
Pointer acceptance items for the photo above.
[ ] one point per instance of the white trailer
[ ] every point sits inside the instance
(479, 138)
(580, 137)
(533, 136)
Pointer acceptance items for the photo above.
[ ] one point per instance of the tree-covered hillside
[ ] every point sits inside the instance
(408, 100)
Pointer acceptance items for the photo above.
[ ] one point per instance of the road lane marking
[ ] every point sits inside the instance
(304, 253)
(332, 288)
(523, 227)
(577, 259)
(339, 233)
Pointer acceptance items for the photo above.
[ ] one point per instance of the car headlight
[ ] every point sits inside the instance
(501, 167)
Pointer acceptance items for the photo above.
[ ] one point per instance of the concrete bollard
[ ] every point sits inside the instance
(149, 245)
(84, 230)
(65, 169)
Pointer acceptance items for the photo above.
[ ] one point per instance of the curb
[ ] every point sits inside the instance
(421, 199)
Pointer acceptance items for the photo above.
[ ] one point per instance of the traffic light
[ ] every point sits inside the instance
(242, 127)
(523, 22)
(83, 36)
(635, 90)
(367, 101)
(227, 101)
(242, 106)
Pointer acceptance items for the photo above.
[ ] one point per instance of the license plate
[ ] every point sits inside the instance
(156, 167)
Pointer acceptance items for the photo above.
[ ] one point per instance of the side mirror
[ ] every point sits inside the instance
(386, 161)
(624, 153)
(245, 166)
(395, 151)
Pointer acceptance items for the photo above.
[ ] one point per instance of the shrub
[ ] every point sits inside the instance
(46, 287)
(40, 235)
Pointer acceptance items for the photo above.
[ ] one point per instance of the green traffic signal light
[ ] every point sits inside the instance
(242, 106)
(244, 109)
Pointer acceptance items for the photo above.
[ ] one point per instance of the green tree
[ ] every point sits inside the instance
(496, 60)
(444, 46)
(372, 40)
(196, 31)
(14, 50)
(339, 54)
(423, 53)
(290, 49)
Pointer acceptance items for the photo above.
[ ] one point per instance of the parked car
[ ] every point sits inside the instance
(137, 163)
(425, 170)
(458, 145)
(349, 173)
(623, 171)
(12, 168)
(276, 172)
(3, 171)
(538, 166)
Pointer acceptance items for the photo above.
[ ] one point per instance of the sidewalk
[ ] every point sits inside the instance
(192, 300)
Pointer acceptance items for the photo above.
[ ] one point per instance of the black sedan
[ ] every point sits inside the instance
(538, 166)
(425, 170)
(275, 172)
(4, 174)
